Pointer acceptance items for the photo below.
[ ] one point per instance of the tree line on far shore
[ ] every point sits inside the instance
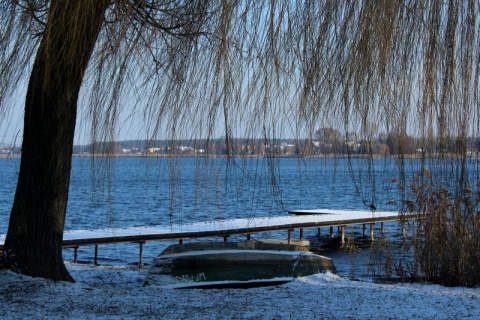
(325, 142)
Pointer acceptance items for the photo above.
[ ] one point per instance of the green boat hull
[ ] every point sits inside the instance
(233, 265)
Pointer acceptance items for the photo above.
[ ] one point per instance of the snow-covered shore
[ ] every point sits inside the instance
(118, 293)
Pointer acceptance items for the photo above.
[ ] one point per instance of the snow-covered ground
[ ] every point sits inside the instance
(118, 293)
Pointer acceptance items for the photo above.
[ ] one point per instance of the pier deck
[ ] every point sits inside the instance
(300, 219)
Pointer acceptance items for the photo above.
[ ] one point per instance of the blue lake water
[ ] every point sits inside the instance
(136, 191)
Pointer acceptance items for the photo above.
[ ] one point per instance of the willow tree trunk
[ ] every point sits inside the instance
(33, 245)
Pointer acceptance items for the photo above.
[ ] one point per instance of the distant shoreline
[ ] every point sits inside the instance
(327, 156)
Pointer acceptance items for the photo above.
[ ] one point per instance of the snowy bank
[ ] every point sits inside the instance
(118, 292)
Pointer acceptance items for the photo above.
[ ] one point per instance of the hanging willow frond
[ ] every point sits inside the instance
(201, 69)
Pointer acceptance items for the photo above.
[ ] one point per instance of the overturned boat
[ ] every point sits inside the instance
(234, 265)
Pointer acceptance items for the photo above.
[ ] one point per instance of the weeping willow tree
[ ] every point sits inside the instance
(257, 69)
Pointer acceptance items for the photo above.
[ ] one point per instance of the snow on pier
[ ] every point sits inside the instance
(299, 219)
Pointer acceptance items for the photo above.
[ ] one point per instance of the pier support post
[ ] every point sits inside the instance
(95, 256)
(75, 254)
(225, 238)
(319, 232)
(140, 256)
(364, 230)
(180, 241)
(301, 234)
(289, 235)
(372, 231)
(248, 236)
(342, 241)
(383, 229)
(331, 232)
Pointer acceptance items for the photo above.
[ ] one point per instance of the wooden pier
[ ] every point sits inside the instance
(299, 219)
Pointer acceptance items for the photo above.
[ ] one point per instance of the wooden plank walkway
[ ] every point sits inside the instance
(299, 219)
(314, 219)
